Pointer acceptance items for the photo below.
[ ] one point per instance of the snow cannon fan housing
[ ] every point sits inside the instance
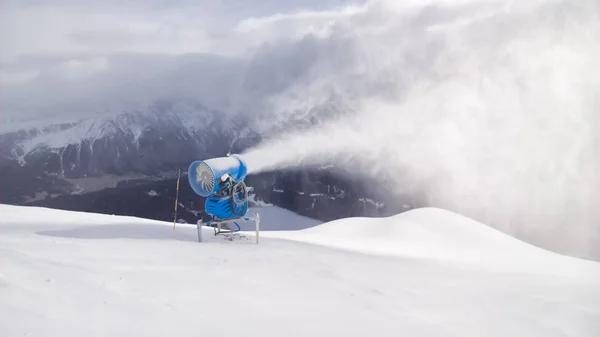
(221, 181)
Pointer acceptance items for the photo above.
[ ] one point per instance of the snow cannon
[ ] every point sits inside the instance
(221, 182)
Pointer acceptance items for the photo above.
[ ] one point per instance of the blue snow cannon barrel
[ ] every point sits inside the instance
(205, 176)
(221, 181)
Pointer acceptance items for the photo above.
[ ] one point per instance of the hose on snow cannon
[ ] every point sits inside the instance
(221, 181)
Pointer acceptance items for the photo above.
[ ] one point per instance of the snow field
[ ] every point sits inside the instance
(426, 272)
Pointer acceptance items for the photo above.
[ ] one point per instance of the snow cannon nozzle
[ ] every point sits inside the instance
(210, 176)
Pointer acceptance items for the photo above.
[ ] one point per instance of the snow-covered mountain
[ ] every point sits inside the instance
(426, 272)
(163, 136)
(166, 136)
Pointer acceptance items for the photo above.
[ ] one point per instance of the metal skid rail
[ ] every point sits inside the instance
(216, 224)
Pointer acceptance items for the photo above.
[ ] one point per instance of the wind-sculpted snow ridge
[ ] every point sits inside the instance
(75, 274)
(439, 235)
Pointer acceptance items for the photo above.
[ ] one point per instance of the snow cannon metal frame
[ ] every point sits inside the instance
(221, 182)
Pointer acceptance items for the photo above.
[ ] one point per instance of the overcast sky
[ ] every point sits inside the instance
(86, 56)
(72, 58)
(67, 26)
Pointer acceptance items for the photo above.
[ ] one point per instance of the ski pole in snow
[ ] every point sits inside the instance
(176, 199)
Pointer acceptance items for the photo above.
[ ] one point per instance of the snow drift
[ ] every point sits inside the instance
(434, 234)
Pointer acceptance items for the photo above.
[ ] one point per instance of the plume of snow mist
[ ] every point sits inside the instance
(491, 109)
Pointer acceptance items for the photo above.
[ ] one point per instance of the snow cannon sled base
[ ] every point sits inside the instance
(218, 226)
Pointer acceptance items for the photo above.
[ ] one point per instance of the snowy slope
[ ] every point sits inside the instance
(436, 234)
(73, 274)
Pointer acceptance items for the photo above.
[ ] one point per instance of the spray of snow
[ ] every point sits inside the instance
(489, 108)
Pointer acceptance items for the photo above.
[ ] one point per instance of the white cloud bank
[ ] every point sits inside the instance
(90, 57)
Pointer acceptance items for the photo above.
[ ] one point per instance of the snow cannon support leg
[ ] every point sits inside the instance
(199, 227)
(257, 226)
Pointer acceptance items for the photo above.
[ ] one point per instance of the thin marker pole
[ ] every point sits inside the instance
(176, 199)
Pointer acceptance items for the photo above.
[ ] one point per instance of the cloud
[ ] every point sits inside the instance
(296, 25)
(17, 77)
(173, 27)
(79, 68)
(90, 57)
(52, 30)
